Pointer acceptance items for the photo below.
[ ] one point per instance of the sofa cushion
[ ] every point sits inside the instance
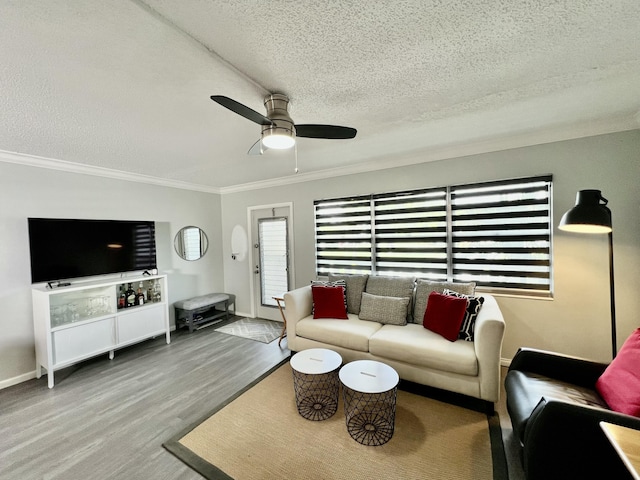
(392, 287)
(619, 384)
(444, 315)
(416, 345)
(392, 310)
(352, 333)
(425, 287)
(355, 286)
(474, 304)
(526, 390)
(328, 302)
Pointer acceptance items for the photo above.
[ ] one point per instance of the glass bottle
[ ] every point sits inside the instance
(121, 298)
(130, 296)
(150, 292)
(140, 295)
(157, 293)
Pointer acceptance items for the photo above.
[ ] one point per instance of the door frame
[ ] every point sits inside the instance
(253, 251)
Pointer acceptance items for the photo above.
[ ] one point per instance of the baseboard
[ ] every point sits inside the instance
(16, 380)
(505, 362)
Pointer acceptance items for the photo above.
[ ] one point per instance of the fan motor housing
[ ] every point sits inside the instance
(277, 106)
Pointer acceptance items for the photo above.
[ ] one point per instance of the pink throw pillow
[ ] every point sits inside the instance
(619, 384)
(328, 302)
(444, 315)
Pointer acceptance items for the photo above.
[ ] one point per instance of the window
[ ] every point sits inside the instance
(497, 234)
(343, 235)
(501, 234)
(411, 233)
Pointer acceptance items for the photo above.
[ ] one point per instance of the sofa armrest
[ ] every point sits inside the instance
(488, 336)
(565, 440)
(298, 304)
(566, 368)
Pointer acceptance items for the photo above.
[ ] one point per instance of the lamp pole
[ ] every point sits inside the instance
(612, 298)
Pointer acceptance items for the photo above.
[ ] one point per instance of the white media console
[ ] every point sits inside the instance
(80, 321)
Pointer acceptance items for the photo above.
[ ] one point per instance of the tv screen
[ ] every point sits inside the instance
(68, 248)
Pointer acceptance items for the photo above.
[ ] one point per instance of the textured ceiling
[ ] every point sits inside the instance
(125, 86)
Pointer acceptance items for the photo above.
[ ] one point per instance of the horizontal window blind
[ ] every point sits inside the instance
(411, 233)
(343, 235)
(497, 234)
(501, 234)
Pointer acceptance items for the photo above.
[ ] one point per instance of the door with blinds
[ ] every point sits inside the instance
(271, 255)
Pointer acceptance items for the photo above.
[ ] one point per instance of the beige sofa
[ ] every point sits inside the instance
(419, 355)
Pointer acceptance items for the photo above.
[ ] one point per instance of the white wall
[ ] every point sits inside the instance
(576, 321)
(38, 192)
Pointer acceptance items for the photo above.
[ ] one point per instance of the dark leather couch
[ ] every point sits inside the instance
(555, 411)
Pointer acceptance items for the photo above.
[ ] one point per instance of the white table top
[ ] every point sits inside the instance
(315, 361)
(368, 376)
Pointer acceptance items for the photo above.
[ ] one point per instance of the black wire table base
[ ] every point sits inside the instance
(370, 417)
(316, 394)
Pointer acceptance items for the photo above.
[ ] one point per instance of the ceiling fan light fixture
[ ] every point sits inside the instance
(278, 138)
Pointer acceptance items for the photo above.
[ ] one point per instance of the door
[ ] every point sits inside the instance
(271, 232)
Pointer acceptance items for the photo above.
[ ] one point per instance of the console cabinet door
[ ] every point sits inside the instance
(140, 323)
(83, 341)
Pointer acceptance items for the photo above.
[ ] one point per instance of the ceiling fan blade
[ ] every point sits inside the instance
(257, 148)
(241, 110)
(325, 131)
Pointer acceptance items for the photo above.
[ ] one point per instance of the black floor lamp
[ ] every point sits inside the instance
(591, 215)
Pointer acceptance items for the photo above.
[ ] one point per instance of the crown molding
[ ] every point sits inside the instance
(65, 166)
(424, 155)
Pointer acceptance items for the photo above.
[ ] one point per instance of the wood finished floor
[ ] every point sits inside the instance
(108, 419)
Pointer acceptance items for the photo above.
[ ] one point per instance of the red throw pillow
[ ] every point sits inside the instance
(444, 315)
(328, 302)
(619, 384)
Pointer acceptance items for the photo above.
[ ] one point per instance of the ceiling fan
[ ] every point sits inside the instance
(278, 130)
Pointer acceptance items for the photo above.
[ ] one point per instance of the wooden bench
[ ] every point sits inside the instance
(202, 311)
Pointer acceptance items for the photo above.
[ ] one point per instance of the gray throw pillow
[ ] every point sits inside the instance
(355, 286)
(389, 310)
(425, 287)
(392, 287)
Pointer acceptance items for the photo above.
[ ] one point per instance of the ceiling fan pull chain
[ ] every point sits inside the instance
(295, 153)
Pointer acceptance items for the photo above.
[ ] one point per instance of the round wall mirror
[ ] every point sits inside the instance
(191, 243)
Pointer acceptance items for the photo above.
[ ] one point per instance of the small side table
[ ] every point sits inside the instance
(316, 383)
(284, 319)
(626, 442)
(369, 390)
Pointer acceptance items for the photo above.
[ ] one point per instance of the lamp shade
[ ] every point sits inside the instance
(589, 215)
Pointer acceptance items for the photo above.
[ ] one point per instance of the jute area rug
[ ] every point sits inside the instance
(260, 435)
(258, 329)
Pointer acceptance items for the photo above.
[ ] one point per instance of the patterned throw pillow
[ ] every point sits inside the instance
(389, 310)
(392, 287)
(325, 283)
(474, 304)
(355, 287)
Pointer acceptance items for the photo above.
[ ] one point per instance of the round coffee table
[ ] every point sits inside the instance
(369, 390)
(316, 383)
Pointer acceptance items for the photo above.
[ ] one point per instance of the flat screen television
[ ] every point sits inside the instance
(63, 249)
